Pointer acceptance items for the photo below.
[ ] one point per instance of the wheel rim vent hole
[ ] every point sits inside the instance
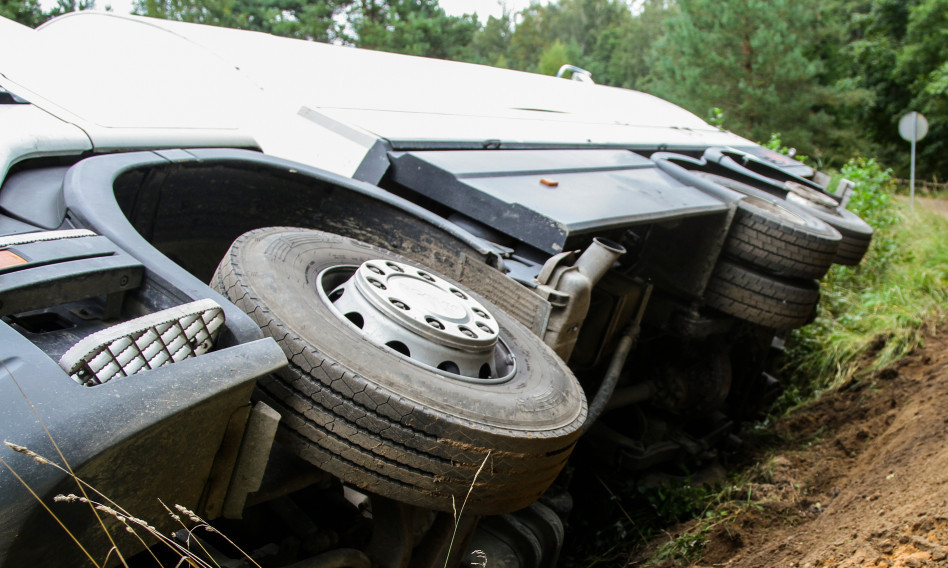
(400, 347)
(450, 367)
(356, 319)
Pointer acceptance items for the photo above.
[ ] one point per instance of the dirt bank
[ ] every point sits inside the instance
(861, 480)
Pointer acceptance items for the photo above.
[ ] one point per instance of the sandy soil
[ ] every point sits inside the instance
(862, 480)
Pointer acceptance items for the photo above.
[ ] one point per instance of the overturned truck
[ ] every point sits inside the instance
(358, 309)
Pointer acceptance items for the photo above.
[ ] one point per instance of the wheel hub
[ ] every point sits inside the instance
(421, 316)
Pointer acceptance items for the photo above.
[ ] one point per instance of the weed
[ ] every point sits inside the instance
(458, 513)
(129, 522)
(674, 502)
(65, 467)
(686, 547)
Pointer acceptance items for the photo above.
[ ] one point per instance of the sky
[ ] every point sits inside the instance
(483, 8)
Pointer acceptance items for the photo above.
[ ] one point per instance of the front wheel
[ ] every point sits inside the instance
(401, 382)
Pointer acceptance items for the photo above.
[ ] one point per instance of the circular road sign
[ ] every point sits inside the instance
(913, 126)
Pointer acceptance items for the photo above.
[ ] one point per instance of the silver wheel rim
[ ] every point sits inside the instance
(419, 317)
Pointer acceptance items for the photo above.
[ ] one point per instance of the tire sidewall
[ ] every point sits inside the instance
(846, 222)
(811, 223)
(285, 264)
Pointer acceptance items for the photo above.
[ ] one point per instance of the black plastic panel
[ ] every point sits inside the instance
(544, 197)
(65, 270)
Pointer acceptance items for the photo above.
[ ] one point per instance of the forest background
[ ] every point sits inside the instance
(830, 77)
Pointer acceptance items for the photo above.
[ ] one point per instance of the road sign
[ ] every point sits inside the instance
(913, 127)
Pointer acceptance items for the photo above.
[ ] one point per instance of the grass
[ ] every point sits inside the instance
(873, 314)
(708, 507)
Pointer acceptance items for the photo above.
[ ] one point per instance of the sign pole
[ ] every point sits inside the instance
(912, 190)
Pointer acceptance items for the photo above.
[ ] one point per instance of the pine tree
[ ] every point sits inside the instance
(750, 58)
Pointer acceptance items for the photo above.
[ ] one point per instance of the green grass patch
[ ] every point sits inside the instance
(873, 314)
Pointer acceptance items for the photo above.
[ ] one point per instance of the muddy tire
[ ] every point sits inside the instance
(761, 299)
(378, 419)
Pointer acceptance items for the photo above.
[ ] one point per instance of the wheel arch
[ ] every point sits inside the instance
(178, 211)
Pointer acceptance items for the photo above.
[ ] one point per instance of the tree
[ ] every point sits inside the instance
(750, 58)
(67, 6)
(529, 38)
(922, 67)
(620, 54)
(491, 43)
(556, 55)
(899, 54)
(26, 12)
(590, 29)
(301, 19)
(414, 27)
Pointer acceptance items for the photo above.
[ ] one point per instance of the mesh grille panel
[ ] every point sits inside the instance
(144, 343)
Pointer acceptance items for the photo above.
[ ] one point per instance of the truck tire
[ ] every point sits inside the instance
(775, 236)
(856, 234)
(781, 240)
(382, 421)
(761, 299)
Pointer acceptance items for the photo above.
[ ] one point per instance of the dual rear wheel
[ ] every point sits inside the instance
(773, 254)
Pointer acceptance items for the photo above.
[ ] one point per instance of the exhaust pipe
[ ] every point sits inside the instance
(569, 289)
